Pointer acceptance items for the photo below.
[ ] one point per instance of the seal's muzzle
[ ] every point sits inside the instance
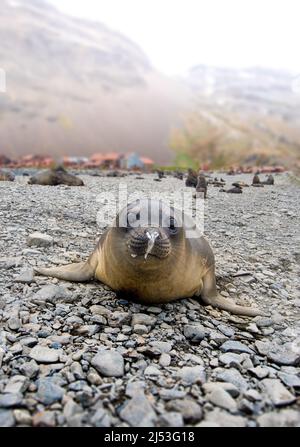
(150, 241)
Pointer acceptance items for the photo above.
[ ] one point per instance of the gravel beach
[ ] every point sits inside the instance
(78, 355)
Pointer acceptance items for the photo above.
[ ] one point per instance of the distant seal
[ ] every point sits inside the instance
(269, 180)
(161, 174)
(6, 176)
(54, 177)
(256, 180)
(149, 256)
(178, 175)
(191, 180)
(240, 184)
(201, 187)
(235, 190)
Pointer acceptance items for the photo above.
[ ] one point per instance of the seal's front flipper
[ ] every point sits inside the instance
(211, 297)
(78, 272)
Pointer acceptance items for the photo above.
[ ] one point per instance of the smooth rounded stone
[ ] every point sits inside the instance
(259, 371)
(236, 346)
(44, 419)
(101, 418)
(263, 321)
(51, 293)
(165, 360)
(22, 417)
(30, 369)
(278, 394)
(6, 418)
(209, 387)
(16, 348)
(161, 346)
(77, 371)
(253, 328)
(171, 419)
(216, 338)
(152, 371)
(226, 330)
(284, 418)
(25, 277)
(138, 411)
(214, 362)
(194, 332)
(143, 319)
(117, 319)
(14, 324)
(63, 339)
(98, 319)
(10, 400)
(48, 391)
(154, 310)
(224, 419)
(231, 359)
(233, 376)
(94, 379)
(280, 354)
(133, 388)
(39, 240)
(170, 394)
(192, 374)
(221, 398)
(73, 413)
(188, 408)
(290, 380)
(141, 329)
(16, 384)
(109, 363)
(253, 395)
(100, 310)
(29, 341)
(42, 354)
(87, 329)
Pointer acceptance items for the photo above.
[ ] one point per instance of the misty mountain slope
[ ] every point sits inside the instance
(76, 87)
(245, 115)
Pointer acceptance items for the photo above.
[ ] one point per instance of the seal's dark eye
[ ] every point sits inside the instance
(133, 219)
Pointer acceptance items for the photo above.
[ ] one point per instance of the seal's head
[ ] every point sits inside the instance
(148, 230)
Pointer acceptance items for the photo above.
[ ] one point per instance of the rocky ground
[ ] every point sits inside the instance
(77, 355)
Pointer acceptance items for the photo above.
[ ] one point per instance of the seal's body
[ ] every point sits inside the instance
(256, 180)
(54, 177)
(235, 190)
(191, 180)
(269, 180)
(154, 260)
(6, 176)
(201, 187)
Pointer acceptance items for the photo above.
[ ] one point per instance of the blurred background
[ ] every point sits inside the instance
(181, 83)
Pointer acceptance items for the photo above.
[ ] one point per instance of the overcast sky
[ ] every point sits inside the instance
(177, 34)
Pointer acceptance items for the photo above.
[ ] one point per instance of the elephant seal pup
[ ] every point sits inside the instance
(240, 184)
(6, 176)
(147, 254)
(256, 180)
(191, 180)
(269, 180)
(201, 187)
(54, 177)
(235, 190)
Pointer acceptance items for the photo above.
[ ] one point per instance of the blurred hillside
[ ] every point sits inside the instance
(249, 116)
(77, 87)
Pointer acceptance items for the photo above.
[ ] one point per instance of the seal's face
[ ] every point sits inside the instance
(150, 230)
